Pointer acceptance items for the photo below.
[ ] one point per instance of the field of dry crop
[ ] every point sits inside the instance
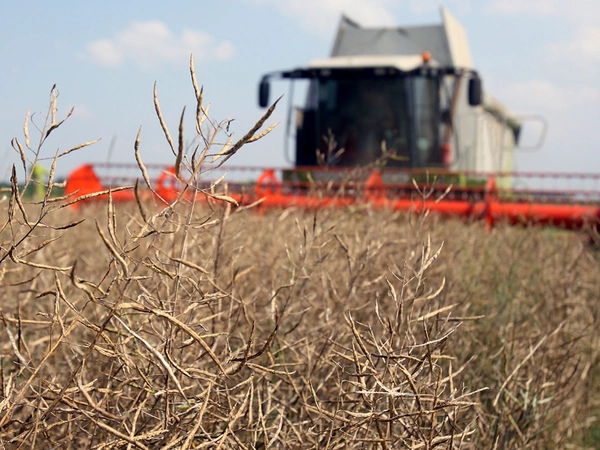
(205, 325)
(220, 328)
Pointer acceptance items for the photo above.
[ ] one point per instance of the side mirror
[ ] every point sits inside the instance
(263, 93)
(475, 91)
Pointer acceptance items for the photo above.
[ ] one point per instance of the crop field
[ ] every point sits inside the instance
(221, 328)
(206, 325)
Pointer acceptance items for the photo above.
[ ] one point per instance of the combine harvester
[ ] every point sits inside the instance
(393, 119)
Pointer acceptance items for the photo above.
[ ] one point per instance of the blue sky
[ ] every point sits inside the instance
(536, 56)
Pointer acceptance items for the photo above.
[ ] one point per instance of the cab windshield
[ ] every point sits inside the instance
(365, 114)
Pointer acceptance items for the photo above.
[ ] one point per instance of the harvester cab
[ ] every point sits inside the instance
(408, 96)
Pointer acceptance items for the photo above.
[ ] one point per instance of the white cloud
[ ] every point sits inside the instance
(104, 52)
(572, 115)
(427, 6)
(541, 97)
(82, 111)
(538, 7)
(151, 43)
(583, 47)
(533, 96)
(321, 16)
(576, 11)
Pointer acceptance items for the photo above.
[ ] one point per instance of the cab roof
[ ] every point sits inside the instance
(404, 63)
